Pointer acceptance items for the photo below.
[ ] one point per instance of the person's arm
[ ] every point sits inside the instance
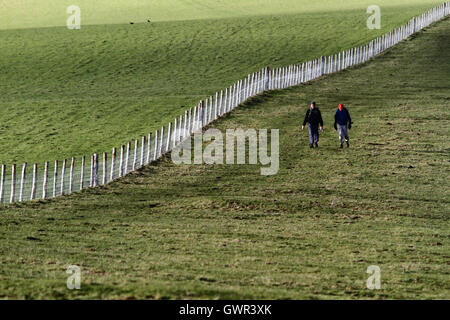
(320, 120)
(306, 119)
(349, 120)
(335, 120)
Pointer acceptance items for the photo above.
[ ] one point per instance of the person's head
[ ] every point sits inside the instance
(313, 105)
(341, 107)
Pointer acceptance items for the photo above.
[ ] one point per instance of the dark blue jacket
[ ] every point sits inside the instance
(313, 117)
(342, 117)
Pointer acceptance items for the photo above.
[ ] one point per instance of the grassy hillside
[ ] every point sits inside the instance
(310, 231)
(19, 14)
(69, 93)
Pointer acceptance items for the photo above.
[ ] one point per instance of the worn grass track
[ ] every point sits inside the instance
(310, 231)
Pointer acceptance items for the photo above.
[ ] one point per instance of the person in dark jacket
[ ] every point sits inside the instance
(342, 122)
(314, 119)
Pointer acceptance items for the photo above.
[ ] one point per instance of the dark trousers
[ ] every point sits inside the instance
(313, 133)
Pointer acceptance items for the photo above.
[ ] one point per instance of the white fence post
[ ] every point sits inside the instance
(105, 168)
(44, 182)
(95, 171)
(127, 158)
(149, 148)
(142, 151)
(155, 152)
(169, 136)
(215, 105)
(122, 151)
(161, 142)
(55, 177)
(113, 164)
(175, 132)
(83, 163)
(91, 176)
(136, 146)
(2, 183)
(22, 181)
(33, 186)
(211, 114)
(72, 165)
(63, 174)
(13, 183)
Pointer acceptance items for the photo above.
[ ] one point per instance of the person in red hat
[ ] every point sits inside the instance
(342, 122)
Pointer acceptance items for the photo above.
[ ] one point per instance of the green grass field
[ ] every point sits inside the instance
(311, 231)
(19, 14)
(68, 93)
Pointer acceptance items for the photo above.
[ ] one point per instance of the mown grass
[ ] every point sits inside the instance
(311, 231)
(67, 93)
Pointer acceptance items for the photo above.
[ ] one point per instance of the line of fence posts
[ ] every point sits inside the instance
(208, 110)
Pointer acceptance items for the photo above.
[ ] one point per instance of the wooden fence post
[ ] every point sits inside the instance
(175, 132)
(230, 98)
(113, 164)
(22, 181)
(189, 123)
(44, 182)
(244, 89)
(155, 152)
(83, 164)
(210, 112)
(206, 111)
(105, 168)
(63, 174)
(55, 176)
(200, 115)
(72, 166)
(215, 105)
(33, 185)
(142, 151)
(247, 90)
(95, 170)
(235, 95)
(136, 146)
(149, 147)
(122, 150)
(2, 184)
(180, 130)
(127, 158)
(220, 104)
(224, 108)
(185, 124)
(272, 79)
(239, 95)
(91, 174)
(13, 183)
(161, 142)
(194, 119)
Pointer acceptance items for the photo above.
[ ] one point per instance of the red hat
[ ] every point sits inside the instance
(341, 106)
